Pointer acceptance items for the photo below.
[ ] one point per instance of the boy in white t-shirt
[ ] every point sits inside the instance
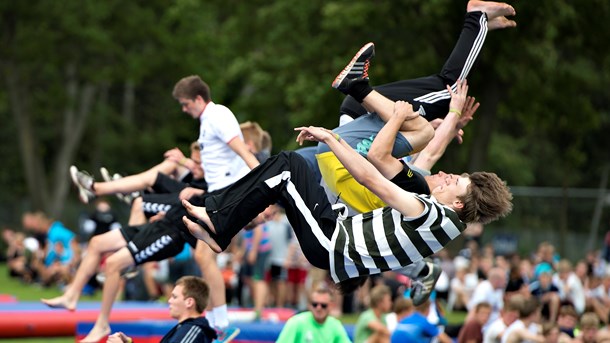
(225, 158)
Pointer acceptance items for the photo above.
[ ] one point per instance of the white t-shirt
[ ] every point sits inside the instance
(280, 235)
(493, 331)
(222, 165)
(575, 291)
(485, 292)
(518, 324)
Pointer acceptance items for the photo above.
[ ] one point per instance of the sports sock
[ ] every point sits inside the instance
(221, 316)
(359, 89)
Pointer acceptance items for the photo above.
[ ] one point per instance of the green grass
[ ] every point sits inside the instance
(28, 292)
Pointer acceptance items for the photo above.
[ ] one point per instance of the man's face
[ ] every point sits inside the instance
(386, 303)
(198, 172)
(438, 179)
(482, 315)
(320, 306)
(177, 303)
(510, 317)
(588, 334)
(192, 107)
(566, 321)
(447, 187)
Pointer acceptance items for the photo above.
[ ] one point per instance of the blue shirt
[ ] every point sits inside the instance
(59, 233)
(414, 329)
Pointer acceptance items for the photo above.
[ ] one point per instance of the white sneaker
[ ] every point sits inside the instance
(84, 182)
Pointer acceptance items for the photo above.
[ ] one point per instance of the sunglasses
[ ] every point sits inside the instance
(315, 304)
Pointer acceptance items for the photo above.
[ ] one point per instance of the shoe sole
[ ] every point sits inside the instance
(82, 194)
(337, 82)
(436, 273)
(105, 174)
(230, 337)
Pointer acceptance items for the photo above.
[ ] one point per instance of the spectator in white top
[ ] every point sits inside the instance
(527, 327)
(490, 291)
(462, 285)
(280, 235)
(570, 287)
(508, 315)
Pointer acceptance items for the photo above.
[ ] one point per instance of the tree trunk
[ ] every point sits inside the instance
(75, 118)
(32, 163)
(485, 126)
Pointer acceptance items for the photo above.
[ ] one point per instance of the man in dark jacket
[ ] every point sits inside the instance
(187, 302)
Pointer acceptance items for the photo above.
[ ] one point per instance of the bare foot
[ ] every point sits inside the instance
(60, 302)
(200, 233)
(491, 8)
(500, 23)
(199, 213)
(96, 334)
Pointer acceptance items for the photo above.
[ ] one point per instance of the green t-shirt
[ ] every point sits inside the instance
(362, 331)
(303, 328)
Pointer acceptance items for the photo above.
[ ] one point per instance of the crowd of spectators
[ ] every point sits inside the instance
(538, 297)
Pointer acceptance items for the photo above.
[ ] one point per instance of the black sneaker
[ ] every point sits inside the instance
(84, 182)
(423, 286)
(356, 70)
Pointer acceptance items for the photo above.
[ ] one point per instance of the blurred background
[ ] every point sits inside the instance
(89, 83)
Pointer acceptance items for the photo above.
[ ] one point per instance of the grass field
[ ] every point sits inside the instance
(24, 292)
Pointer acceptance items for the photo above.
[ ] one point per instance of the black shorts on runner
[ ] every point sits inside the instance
(153, 241)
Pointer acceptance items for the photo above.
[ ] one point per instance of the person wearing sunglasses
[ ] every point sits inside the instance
(315, 325)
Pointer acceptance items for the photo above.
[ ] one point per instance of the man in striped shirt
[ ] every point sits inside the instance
(411, 228)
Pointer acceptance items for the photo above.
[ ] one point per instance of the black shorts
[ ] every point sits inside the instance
(278, 273)
(153, 203)
(165, 184)
(153, 241)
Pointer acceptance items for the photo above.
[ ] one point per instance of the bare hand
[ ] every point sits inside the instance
(189, 192)
(404, 110)
(118, 337)
(174, 155)
(468, 110)
(251, 257)
(458, 98)
(157, 217)
(312, 133)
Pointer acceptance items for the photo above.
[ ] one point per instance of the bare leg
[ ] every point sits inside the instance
(137, 216)
(260, 294)
(108, 242)
(206, 259)
(149, 281)
(135, 182)
(114, 264)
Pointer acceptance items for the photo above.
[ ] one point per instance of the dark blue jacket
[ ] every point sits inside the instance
(192, 330)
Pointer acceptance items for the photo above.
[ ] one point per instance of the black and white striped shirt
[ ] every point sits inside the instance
(384, 239)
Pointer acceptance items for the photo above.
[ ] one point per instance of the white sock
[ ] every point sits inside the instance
(209, 315)
(221, 316)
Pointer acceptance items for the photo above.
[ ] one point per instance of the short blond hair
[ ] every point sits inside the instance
(252, 132)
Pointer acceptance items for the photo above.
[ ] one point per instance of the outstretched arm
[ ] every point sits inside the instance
(450, 126)
(416, 129)
(238, 145)
(363, 171)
